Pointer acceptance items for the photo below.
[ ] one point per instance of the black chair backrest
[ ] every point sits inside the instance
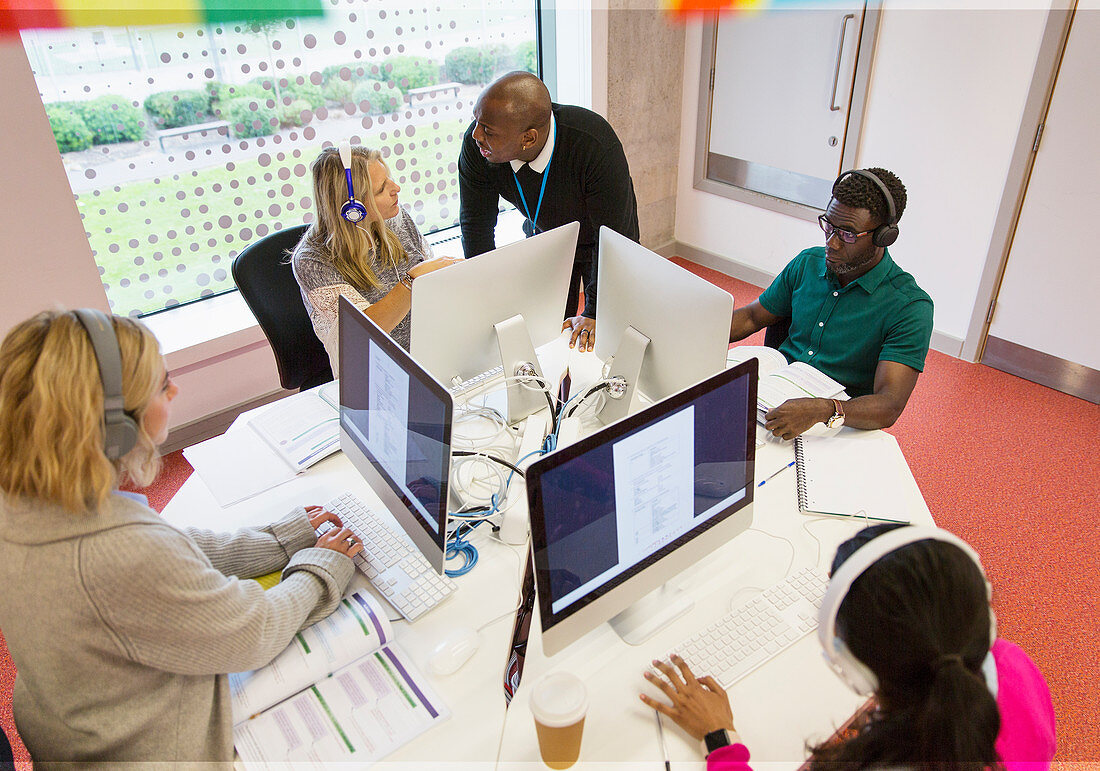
(267, 284)
(776, 334)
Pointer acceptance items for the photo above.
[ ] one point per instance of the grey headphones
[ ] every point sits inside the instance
(120, 430)
(840, 658)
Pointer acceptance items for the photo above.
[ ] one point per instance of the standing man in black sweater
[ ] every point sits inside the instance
(556, 164)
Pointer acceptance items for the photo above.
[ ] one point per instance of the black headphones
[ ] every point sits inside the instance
(120, 430)
(887, 233)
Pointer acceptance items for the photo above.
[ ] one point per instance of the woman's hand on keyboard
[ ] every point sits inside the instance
(319, 515)
(699, 705)
(340, 539)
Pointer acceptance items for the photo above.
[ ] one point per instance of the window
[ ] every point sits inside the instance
(183, 145)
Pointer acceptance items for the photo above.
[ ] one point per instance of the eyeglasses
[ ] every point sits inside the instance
(847, 236)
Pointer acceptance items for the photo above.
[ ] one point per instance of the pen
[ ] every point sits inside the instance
(664, 747)
(777, 473)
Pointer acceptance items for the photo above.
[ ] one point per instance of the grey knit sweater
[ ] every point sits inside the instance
(122, 627)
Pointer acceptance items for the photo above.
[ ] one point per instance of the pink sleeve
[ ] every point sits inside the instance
(732, 757)
(1027, 739)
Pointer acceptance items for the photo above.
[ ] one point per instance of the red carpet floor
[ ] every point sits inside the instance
(1010, 466)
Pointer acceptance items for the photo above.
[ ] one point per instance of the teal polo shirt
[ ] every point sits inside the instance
(846, 331)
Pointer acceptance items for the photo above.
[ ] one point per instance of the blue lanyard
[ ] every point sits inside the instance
(545, 174)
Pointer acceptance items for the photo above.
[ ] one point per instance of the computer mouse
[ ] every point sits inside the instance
(454, 650)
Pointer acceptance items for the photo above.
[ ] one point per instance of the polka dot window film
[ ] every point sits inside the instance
(183, 145)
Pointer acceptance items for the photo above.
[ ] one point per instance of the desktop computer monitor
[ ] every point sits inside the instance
(618, 514)
(395, 427)
(666, 327)
(457, 312)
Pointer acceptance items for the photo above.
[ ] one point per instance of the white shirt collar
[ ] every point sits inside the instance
(539, 164)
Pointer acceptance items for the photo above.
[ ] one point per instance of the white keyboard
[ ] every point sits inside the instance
(462, 387)
(757, 631)
(396, 568)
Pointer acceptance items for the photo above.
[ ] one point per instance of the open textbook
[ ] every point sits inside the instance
(341, 691)
(780, 381)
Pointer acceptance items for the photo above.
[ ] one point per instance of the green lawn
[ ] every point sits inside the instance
(162, 241)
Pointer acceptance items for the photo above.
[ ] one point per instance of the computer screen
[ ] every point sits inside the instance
(619, 513)
(686, 318)
(454, 310)
(395, 427)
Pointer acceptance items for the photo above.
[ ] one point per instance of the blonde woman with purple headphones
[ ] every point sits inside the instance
(362, 245)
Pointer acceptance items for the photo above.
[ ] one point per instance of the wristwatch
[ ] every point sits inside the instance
(837, 420)
(716, 739)
(406, 280)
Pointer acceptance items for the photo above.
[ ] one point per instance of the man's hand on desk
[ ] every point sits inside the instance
(583, 337)
(699, 705)
(796, 416)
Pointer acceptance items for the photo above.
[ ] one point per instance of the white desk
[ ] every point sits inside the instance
(792, 698)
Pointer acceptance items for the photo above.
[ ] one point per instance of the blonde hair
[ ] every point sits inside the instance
(359, 251)
(51, 411)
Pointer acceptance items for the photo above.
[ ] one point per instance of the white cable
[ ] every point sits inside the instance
(787, 541)
(522, 566)
(463, 485)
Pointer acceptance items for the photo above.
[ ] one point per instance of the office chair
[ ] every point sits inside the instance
(777, 333)
(266, 281)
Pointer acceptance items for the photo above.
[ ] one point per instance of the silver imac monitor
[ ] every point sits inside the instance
(665, 327)
(456, 311)
(395, 427)
(620, 513)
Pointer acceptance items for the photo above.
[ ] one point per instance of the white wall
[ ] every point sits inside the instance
(946, 95)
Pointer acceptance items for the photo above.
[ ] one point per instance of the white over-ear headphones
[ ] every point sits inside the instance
(850, 669)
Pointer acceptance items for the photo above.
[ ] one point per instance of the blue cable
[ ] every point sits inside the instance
(457, 545)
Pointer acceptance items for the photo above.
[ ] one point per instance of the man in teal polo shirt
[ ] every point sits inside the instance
(854, 314)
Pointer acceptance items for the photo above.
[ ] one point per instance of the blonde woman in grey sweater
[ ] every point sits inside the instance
(123, 627)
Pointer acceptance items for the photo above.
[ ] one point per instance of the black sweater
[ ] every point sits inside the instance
(589, 182)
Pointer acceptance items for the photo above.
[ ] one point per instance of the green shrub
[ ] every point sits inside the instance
(526, 57)
(408, 72)
(291, 114)
(339, 91)
(112, 119)
(469, 64)
(370, 72)
(306, 92)
(381, 98)
(69, 130)
(250, 117)
(172, 109)
(223, 93)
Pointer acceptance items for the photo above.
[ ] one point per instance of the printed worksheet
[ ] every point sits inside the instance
(357, 627)
(360, 714)
(654, 484)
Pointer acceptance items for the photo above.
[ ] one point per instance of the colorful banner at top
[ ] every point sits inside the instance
(712, 6)
(30, 14)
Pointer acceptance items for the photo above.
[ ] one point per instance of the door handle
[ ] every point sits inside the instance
(833, 106)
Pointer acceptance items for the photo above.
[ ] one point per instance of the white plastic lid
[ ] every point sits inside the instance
(559, 699)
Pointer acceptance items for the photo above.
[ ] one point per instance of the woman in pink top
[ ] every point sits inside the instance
(906, 619)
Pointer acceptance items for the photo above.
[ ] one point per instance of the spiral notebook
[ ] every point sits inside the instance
(851, 473)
